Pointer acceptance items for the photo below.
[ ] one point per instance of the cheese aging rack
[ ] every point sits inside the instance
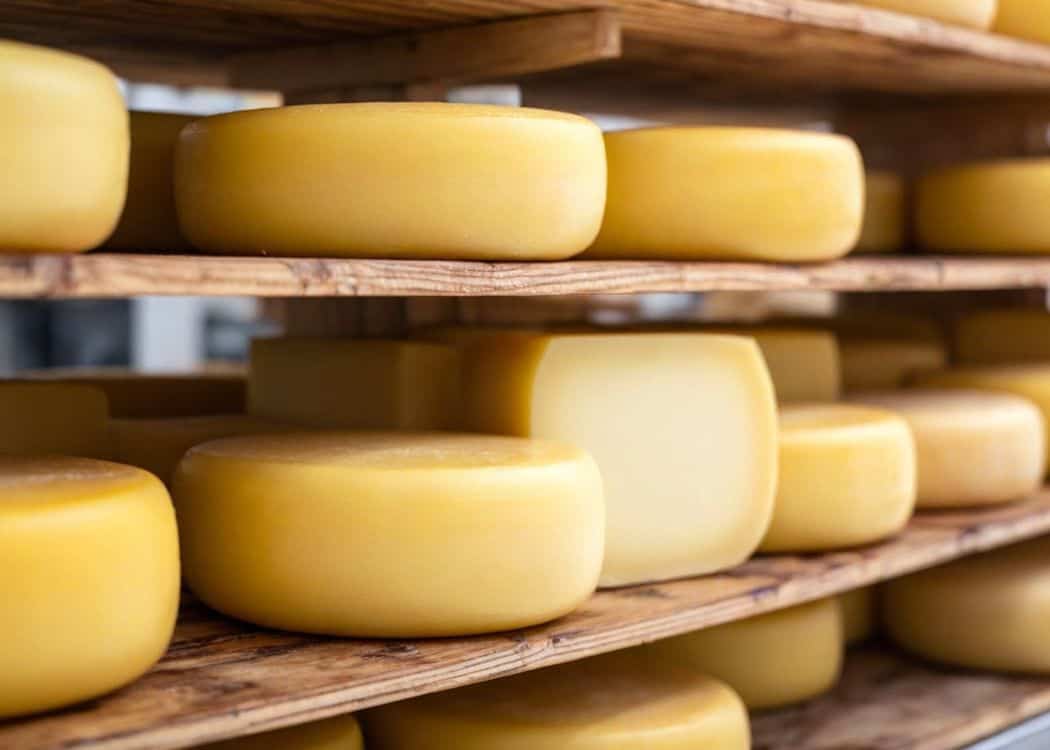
(912, 92)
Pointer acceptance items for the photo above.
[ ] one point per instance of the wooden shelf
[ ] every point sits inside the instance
(221, 678)
(886, 701)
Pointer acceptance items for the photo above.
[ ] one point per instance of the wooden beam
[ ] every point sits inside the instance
(454, 55)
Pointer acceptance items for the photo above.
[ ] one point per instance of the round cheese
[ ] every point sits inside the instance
(338, 733)
(404, 534)
(89, 573)
(884, 226)
(859, 614)
(973, 447)
(1028, 19)
(730, 193)
(875, 363)
(977, 14)
(148, 221)
(408, 180)
(53, 418)
(991, 611)
(993, 206)
(847, 477)
(65, 158)
(1003, 336)
(145, 396)
(613, 702)
(771, 660)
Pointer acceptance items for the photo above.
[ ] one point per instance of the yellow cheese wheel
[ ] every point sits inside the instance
(1031, 382)
(409, 180)
(157, 445)
(771, 660)
(339, 733)
(847, 477)
(991, 611)
(973, 447)
(976, 14)
(1003, 336)
(404, 534)
(730, 193)
(876, 364)
(148, 221)
(884, 206)
(683, 427)
(993, 206)
(859, 614)
(370, 383)
(89, 577)
(1028, 19)
(65, 159)
(58, 418)
(613, 702)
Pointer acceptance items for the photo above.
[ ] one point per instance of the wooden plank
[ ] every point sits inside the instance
(885, 701)
(221, 678)
(455, 55)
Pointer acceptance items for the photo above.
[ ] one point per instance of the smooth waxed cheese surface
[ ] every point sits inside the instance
(884, 211)
(374, 384)
(730, 193)
(875, 363)
(390, 534)
(990, 611)
(770, 660)
(1027, 19)
(1003, 336)
(89, 574)
(847, 477)
(389, 179)
(859, 614)
(976, 14)
(683, 427)
(64, 132)
(973, 447)
(612, 702)
(53, 418)
(147, 395)
(338, 733)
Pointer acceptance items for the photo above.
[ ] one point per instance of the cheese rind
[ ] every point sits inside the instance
(89, 573)
(883, 230)
(404, 535)
(373, 383)
(875, 364)
(771, 660)
(612, 702)
(53, 418)
(1027, 19)
(990, 611)
(148, 221)
(730, 193)
(1003, 336)
(683, 427)
(977, 14)
(392, 179)
(65, 130)
(338, 733)
(847, 477)
(973, 447)
(859, 614)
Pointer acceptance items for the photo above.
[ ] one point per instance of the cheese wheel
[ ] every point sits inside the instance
(613, 702)
(991, 611)
(370, 383)
(65, 163)
(404, 534)
(730, 193)
(148, 221)
(770, 660)
(683, 427)
(1028, 19)
(1030, 382)
(977, 14)
(859, 614)
(339, 733)
(973, 447)
(992, 206)
(59, 418)
(847, 477)
(89, 573)
(883, 229)
(1003, 336)
(403, 180)
(157, 445)
(876, 364)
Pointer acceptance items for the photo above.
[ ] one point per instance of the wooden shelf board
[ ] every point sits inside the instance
(886, 701)
(221, 678)
(126, 275)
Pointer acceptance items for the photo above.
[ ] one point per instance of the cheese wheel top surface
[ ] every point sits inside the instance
(831, 422)
(32, 482)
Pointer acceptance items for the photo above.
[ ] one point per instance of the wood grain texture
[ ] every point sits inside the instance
(885, 701)
(221, 678)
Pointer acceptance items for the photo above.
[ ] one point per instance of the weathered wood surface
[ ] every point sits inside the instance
(222, 679)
